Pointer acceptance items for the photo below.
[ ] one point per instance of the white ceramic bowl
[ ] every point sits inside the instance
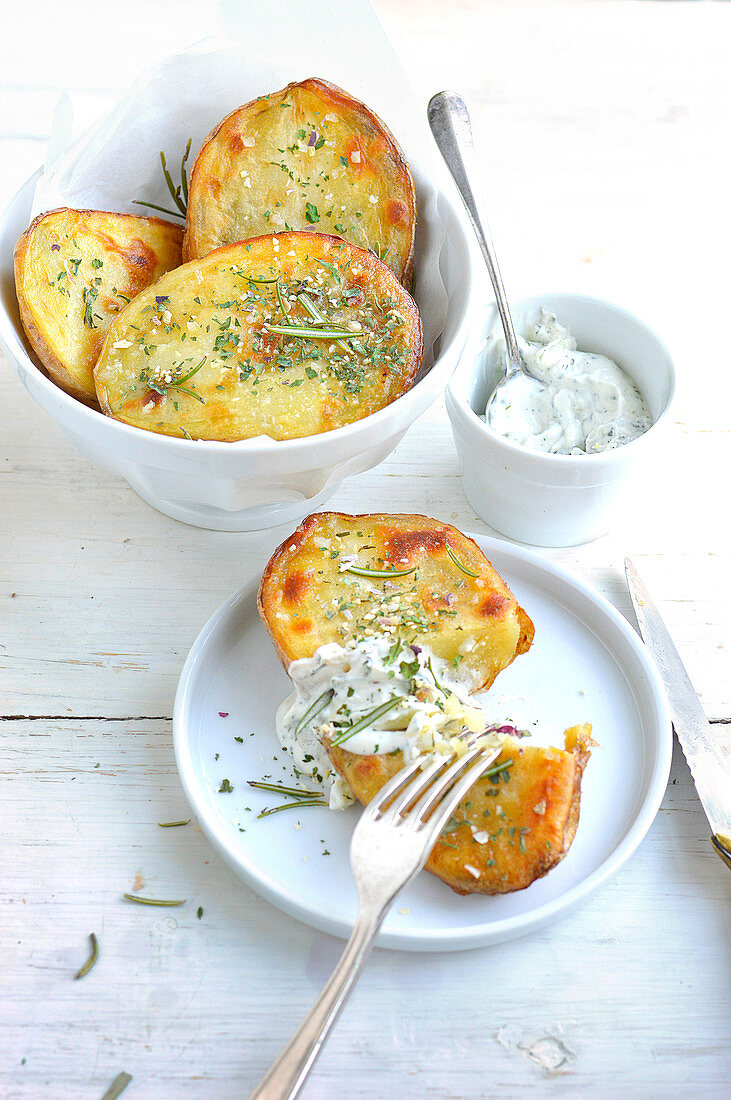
(255, 483)
(547, 499)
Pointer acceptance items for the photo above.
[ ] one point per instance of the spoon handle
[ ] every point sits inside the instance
(449, 121)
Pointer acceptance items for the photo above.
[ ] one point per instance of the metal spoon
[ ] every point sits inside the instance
(449, 121)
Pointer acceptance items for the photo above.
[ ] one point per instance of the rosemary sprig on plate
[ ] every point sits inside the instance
(292, 805)
(298, 796)
(279, 788)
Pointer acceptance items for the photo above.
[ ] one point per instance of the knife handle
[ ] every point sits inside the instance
(722, 845)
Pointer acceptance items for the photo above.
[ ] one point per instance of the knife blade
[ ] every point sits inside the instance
(706, 761)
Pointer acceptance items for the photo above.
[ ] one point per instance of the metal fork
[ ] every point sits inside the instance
(391, 843)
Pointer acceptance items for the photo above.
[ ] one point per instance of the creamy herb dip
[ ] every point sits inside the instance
(588, 404)
(371, 696)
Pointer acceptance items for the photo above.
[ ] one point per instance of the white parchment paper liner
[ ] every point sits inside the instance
(186, 95)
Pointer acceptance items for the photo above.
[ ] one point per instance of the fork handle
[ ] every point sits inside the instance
(288, 1073)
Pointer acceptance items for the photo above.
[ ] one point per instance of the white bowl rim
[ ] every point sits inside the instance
(462, 407)
(262, 445)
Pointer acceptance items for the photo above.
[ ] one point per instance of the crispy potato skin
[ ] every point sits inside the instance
(438, 605)
(509, 833)
(353, 180)
(72, 264)
(205, 325)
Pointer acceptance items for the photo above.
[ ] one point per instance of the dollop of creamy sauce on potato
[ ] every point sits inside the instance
(587, 405)
(372, 696)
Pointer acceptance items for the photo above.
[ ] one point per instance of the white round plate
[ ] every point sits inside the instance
(586, 664)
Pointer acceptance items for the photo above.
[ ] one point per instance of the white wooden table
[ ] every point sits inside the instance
(603, 126)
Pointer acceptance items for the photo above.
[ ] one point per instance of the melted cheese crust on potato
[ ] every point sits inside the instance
(307, 157)
(75, 271)
(285, 336)
(511, 828)
(436, 588)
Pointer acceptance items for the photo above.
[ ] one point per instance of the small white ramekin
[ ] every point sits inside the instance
(256, 483)
(547, 499)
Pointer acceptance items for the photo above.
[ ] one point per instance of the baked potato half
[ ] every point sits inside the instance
(514, 825)
(75, 271)
(341, 577)
(307, 157)
(285, 336)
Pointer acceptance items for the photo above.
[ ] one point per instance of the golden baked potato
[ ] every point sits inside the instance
(286, 336)
(307, 157)
(340, 577)
(345, 579)
(75, 270)
(515, 823)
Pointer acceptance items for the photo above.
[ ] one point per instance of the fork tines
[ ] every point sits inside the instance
(441, 783)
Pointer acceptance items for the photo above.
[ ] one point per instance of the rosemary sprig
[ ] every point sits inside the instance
(280, 299)
(184, 174)
(467, 572)
(91, 960)
(437, 685)
(163, 387)
(309, 332)
(172, 824)
(185, 377)
(311, 712)
(117, 1087)
(178, 194)
(190, 393)
(152, 901)
(317, 315)
(175, 191)
(291, 792)
(362, 572)
(292, 805)
(371, 716)
(497, 769)
(154, 206)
